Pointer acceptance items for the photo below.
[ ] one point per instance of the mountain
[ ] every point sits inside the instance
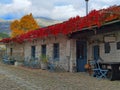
(4, 26)
(3, 35)
(42, 22)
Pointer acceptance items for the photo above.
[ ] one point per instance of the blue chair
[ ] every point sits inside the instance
(35, 63)
(94, 68)
(98, 72)
(26, 62)
(6, 59)
(51, 67)
(51, 64)
(102, 72)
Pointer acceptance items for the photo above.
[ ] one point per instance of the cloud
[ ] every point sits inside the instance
(99, 4)
(58, 9)
(63, 12)
(55, 9)
(16, 7)
(108, 1)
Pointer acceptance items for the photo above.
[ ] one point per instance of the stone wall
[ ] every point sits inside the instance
(114, 55)
(17, 50)
(66, 47)
(2, 53)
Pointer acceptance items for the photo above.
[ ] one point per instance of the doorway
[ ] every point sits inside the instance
(81, 55)
(33, 49)
(96, 54)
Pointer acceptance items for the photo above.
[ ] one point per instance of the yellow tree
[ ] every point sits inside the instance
(25, 24)
(15, 28)
(28, 23)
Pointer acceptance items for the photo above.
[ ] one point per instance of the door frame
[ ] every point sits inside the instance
(80, 63)
(96, 52)
(33, 50)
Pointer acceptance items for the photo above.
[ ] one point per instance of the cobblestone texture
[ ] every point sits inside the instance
(22, 78)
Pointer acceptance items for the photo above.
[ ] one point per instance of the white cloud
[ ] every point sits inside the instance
(56, 9)
(63, 12)
(98, 4)
(20, 4)
(17, 6)
(109, 1)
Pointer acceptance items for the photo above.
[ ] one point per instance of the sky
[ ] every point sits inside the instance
(54, 9)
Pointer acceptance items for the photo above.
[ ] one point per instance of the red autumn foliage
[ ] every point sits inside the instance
(94, 18)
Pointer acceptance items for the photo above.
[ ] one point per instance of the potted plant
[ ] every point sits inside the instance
(44, 61)
(19, 61)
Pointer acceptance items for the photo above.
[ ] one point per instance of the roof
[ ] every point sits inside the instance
(95, 18)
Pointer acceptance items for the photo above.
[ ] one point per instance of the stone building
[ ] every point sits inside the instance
(72, 45)
(2, 50)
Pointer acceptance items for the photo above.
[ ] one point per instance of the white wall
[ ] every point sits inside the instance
(64, 44)
(113, 56)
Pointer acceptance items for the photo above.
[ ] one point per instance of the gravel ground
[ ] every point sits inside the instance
(22, 78)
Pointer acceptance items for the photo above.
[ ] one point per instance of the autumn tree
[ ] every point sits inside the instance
(25, 24)
(28, 23)
(16, 28)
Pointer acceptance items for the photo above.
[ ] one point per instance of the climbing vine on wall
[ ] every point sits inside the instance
(94, 18)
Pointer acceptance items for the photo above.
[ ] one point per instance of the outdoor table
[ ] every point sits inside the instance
(113, 70)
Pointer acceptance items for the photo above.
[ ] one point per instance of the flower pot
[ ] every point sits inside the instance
(44, 66)
(18, 63)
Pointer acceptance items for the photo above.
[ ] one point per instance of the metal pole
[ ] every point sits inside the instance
(86, 7)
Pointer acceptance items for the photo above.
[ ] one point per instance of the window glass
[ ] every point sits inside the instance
(43, 50)
(11, 51)
(118, 45)
(33, 49)
(56, 51)
(107, 47)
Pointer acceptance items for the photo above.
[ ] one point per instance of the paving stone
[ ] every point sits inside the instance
(22, 78)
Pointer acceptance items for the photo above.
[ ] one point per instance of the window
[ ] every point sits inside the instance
(11, 51)
(107, 47)
(43, 49)
(118, 45)
(96, 50)
(33, 49)
(56, 51)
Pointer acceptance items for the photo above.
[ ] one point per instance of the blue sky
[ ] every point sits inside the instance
(54, 9)
(5, 1)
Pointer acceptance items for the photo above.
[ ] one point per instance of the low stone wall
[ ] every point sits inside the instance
(2, 53)
(18, 63)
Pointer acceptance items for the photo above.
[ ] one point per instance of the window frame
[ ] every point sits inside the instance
(118, 45)
(56, 51)
(11, 51)
(43, 49)
(107, 47)
(33, 53)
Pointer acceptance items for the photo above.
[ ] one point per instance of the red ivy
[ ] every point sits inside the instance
(72, 25)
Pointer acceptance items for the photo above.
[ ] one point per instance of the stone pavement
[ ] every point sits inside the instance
(22, 78)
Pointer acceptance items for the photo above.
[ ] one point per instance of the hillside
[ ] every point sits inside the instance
(42, 21)
(4, 26)
(3, 35)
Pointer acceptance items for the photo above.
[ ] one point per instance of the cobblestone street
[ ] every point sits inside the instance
(22, 78)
